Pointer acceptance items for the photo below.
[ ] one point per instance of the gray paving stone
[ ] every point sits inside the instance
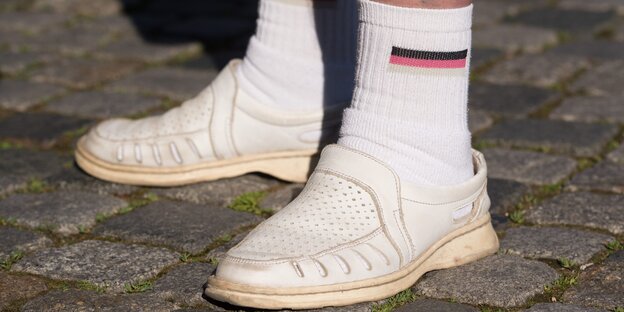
(218, 253)
(490, 12)
(559, 307)
(139, 24)
(184, 226)
(479, 121)
(581, 139)
(14, 41)
(594, 5)
(617, 156)
(138, 49)
(431, 305)
(590, 109)
(20, 166)
(601, 286)
(279, 198)
(537, 70)
(74, 179)
(516, 281)
(106, 264)
(205, 62)
(83, 301)
(12, 5)
(528, 167)
(176, 83)
(554, 243)
(604, 80)
(565, 20)
(30, 21)
(103, 104)
(44, 128)
(605, 176)
(12, 62)
(598, 211)
(218, 192)
(504, 195)
(21, 95)
(183, 284)
(64, 212)
(73, 41)
(361, 307)
(595, 51)
(83, 73)
(12, 240)
(512, 38)
(484, 56)
(14, 288)
(508, 100)
(78, 7)
(619, 32)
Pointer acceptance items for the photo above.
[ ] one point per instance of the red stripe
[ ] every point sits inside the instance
(398, 60)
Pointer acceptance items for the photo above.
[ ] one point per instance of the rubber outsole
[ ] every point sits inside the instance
(292, 166)
(467, 244)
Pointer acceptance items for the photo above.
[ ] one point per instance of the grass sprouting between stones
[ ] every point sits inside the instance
(250, 202)
(138, 287)
(8, 262)
(37, 186)
(140, 201)
(5, 145)
(8, 221)
(90, 286)
(556, 288)
(185, 257)
(517, 216)
(395, 301)
(566, 263)
(614, 246)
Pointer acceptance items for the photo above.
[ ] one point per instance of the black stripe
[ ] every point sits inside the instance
(429, 55)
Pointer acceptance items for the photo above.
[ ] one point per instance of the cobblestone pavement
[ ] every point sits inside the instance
(547, 109)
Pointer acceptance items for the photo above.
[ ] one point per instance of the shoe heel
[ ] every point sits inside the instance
(476, 244)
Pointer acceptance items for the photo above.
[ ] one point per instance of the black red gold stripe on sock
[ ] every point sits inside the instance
(428, 59)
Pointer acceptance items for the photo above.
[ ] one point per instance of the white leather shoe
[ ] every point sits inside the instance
(222, 132)
(356, 233)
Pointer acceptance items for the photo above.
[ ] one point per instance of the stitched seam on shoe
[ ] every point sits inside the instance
(351, 244)
(473, 196)
(405, 233)
(210, 132)
(373, 195)
(149, 138)
(231, 121)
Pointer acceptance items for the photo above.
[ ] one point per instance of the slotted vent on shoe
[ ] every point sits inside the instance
(330, 211)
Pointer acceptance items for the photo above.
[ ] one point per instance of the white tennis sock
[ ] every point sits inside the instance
(410, 101)
(302, 56)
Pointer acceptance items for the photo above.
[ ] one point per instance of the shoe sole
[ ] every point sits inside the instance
(467, 244)
(292, 166)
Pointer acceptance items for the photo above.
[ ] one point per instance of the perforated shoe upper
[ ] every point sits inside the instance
(221, 122)
(354, 220)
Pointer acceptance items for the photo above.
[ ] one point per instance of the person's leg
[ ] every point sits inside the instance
(410, 100)
(269, 112)
(302, 56)
(428, 4)
(399, 195)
